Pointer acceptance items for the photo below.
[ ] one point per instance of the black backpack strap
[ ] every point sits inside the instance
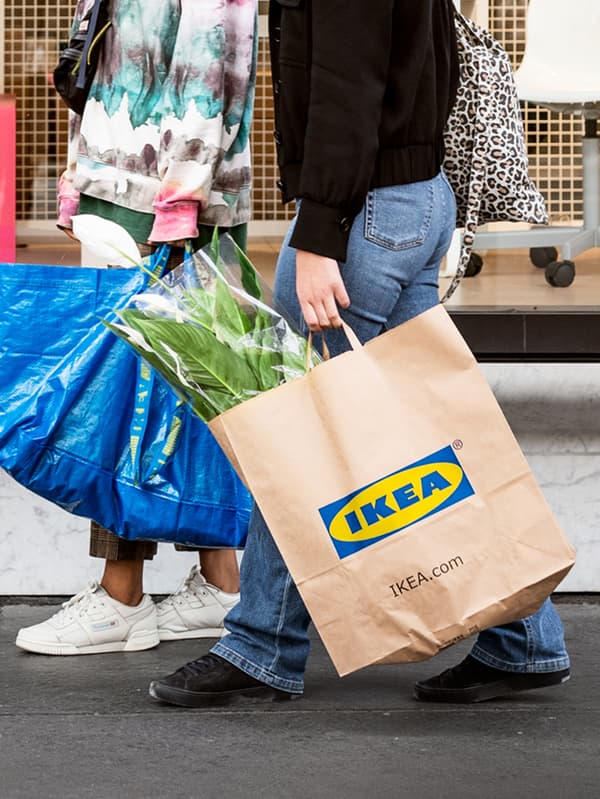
(91, 33)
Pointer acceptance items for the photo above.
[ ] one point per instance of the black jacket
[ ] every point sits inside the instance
(363, 89)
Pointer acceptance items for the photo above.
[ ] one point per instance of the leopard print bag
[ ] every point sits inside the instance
(486, 159)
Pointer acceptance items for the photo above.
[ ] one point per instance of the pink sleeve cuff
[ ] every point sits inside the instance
(68, 203)
(175, 222)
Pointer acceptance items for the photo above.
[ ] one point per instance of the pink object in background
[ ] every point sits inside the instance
(8, 158)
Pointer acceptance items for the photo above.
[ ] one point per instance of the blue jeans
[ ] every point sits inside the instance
(391, 274)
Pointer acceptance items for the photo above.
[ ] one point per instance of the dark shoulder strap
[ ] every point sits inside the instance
(91, 35)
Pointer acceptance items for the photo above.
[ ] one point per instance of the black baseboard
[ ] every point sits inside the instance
(556, 335)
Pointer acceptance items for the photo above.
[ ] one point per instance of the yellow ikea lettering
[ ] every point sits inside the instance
(396, 501)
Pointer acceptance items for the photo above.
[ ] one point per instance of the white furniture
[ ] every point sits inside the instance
(561, 71)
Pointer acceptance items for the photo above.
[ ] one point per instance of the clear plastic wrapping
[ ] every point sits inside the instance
(210, 329)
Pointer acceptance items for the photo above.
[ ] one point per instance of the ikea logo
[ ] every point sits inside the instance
(395, 502)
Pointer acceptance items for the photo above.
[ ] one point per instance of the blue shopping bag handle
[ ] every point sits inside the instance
(156, 264)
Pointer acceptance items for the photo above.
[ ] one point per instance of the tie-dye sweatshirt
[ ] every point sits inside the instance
(166, 125)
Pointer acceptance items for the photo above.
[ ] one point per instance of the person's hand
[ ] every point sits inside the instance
(320, 290)
(70, 233)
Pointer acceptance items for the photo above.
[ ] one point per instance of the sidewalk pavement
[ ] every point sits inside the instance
(79, 727)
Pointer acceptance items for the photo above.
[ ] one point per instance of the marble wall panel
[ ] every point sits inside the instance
(553, 409)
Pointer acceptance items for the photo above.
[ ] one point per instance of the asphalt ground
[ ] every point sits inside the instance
(78, 727)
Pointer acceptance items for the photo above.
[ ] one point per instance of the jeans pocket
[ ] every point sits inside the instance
(399, 217)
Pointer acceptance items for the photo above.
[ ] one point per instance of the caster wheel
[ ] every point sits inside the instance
(474, 266)
(543, 256)
(560, 273)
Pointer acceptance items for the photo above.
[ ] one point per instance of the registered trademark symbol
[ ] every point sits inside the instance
(457, 444)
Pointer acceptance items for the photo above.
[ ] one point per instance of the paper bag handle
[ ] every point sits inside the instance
(350, 335)
(308, 364)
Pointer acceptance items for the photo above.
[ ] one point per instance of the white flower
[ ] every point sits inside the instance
(107, 241)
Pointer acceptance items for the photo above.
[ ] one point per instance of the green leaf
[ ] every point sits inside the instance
(194, 398)
(294, 355)
(230, 321)
(269, 357)
(250, 278)
(195, 355)
(199, 305)
(221, 401)
(215, 248)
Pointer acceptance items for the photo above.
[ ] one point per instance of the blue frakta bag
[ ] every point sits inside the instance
(87, 426)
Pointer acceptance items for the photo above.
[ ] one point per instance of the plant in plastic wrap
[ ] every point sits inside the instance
(209, 329)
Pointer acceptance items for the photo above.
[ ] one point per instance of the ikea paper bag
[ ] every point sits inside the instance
(398, 496)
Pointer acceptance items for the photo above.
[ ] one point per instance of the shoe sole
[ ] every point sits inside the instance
(204, 632)
(136, 643)
(492, 690)
(183, 698)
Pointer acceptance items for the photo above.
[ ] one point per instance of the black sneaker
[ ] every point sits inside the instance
(211, 681)
(472, 681)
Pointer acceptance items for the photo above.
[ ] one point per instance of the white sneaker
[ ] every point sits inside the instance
(93, 622)
(196, 610)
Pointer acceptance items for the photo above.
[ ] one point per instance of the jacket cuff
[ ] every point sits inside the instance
(68, 203)
(175, 222)
(67, 210)
(322, 230)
